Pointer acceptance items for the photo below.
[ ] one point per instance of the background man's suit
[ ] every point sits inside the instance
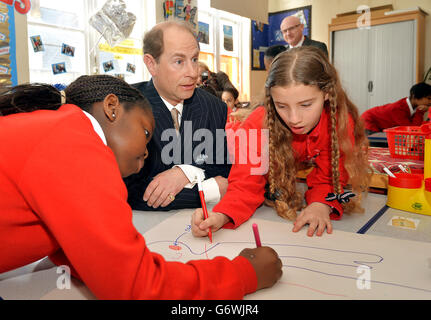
(204, 111)
(314, 43)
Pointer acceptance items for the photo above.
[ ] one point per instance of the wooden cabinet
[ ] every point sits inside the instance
(380, 63)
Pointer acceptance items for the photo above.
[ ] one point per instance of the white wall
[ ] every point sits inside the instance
(252, 9)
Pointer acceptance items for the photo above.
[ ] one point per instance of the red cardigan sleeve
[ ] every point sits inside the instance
(401, 116)
(247, 178)
(391, 115)
(73, 183)
(418, 118)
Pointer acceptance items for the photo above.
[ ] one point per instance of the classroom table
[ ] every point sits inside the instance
(385, 227)
(351, 222)
(39, 280)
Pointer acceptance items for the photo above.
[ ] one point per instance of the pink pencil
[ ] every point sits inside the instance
(256, 235)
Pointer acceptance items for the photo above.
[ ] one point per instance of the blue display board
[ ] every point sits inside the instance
(266, 35)
(275, 19)
(8, 68)
(259, 43)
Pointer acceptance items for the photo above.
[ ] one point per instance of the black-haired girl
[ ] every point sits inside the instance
(62, 196)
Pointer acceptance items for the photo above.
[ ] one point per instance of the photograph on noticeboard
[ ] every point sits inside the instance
(108, 65)
(67, 50)
(36, 42)
(131, 68)
(58, 68)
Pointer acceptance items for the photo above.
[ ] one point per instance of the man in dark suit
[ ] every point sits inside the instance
(188, 142)
(292, 30)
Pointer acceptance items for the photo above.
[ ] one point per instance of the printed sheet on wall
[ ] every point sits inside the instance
(186, 10)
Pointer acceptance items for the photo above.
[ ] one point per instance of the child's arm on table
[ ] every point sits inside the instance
(246, 181)
(316, 214)
(319, 211)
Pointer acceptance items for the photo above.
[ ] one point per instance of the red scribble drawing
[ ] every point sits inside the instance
(313, 289)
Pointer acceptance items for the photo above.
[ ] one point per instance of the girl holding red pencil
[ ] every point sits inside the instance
(62, 196)
(311, 123)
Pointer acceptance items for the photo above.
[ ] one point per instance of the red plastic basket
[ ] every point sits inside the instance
(406, 142)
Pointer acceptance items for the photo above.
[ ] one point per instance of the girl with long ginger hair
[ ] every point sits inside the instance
(311, 122)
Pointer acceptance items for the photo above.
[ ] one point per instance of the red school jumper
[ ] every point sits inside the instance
(245, 192)
(62, 196)
(391, 115)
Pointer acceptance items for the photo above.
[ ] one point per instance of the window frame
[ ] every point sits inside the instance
(241, 44)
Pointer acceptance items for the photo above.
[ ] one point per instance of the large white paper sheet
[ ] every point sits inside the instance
(341, 265)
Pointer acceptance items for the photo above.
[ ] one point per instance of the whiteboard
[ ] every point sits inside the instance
(340, 265)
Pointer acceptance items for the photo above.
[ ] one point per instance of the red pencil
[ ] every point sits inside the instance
(204, 207)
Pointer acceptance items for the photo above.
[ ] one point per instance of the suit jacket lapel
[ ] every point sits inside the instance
(159, 108)
(192, 110)
(162, 116)
(307, 41)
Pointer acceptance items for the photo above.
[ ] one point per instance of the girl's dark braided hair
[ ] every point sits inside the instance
(83, 92)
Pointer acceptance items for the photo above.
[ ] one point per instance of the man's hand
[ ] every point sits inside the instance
(164, 187)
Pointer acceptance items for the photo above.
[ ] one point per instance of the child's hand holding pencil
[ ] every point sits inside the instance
(201, 226)
(265, 260)
(266, 264)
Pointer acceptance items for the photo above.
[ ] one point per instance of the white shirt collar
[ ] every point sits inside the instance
(299, 44)
(410, 106)
(96, 127)
(179, 106)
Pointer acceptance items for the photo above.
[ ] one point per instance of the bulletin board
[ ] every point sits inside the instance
(275, 19)
(266, 35)
(8, 68)
(259, 43)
